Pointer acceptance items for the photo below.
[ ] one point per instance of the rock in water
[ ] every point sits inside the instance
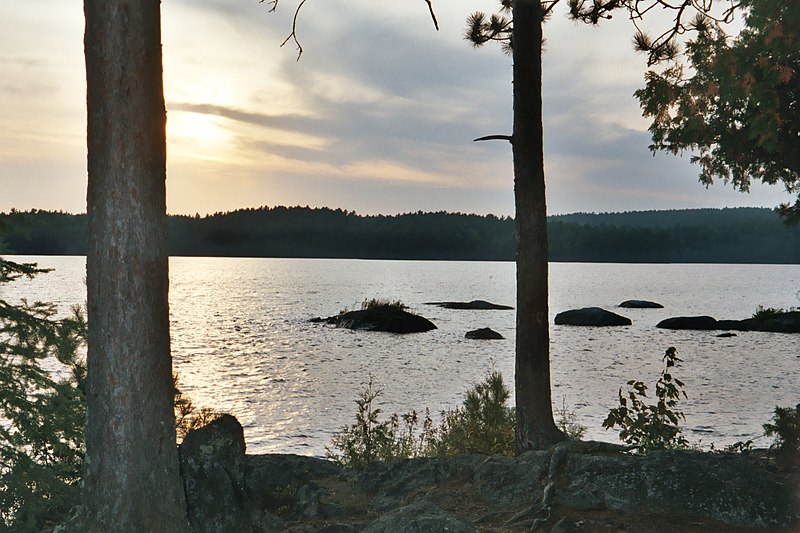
(383, 318)
(640, 304)
(474, 304)
(483, 334)
(689, 322)
(591, 316)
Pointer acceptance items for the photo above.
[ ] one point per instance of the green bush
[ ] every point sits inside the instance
(187, 416)
(377, 303)
(647, 426)
(785, 429)
(42, 414)
(370, 438)
(482, 425)
(567, 422)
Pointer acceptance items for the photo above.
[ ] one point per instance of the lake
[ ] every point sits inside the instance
(242, 341)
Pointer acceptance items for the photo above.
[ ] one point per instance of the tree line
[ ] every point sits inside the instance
(730, 235)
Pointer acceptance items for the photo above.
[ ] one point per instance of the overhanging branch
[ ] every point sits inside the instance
(508, 138)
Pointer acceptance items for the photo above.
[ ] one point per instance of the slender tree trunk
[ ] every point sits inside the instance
(535, 426)
(131, 477)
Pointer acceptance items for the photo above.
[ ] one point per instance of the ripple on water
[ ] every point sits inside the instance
(284, 377)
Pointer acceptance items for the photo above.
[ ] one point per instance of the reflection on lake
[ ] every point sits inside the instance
(242, 341)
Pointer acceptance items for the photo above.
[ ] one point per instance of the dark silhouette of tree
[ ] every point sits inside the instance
(522, 36)
(131, 477)
(740, 106)
(730, 235)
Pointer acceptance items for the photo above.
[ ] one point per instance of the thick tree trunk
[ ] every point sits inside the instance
(131, 477)
(535, 426)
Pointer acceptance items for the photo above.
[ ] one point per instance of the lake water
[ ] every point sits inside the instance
(242, 341)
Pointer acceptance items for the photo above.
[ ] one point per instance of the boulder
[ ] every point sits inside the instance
(212, 462)
(725, 487)
(689, 322)
(474, 304)
(287, 480)
(706, 323)
(483, 334)
(387, 318)
(589, 481)
(422, 516)
(640, 304)
(591, 316)
(783, 322)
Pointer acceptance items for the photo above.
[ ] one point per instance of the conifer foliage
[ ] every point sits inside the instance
(42, 409)
(735, 102)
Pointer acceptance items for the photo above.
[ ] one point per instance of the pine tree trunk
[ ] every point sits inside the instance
(535, 426)
(131, 477)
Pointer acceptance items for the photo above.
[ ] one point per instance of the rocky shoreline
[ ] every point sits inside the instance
(575, 486)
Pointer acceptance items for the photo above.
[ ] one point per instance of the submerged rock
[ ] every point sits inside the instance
(483, 334)
(591, 316)
(474, 304)
(640, 304)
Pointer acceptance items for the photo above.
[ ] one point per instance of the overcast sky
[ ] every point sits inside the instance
(378, 116)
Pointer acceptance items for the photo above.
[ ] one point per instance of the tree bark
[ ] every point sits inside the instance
(535, 426)
(131, 476)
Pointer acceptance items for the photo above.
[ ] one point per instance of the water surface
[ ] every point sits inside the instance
(242, 341)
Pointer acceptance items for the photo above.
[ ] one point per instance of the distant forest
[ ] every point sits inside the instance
(731, 235)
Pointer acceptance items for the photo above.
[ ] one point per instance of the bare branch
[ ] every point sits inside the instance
(433, 15)
(293, 35)
(273, 3)
(508, 138)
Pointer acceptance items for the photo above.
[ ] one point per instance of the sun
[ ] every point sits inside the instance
(198, 130)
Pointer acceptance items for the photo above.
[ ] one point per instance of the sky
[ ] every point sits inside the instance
(377, 116)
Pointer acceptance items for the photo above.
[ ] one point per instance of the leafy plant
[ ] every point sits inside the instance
(42, 412)
(647, 426)
(484, 424)
(567, 421)
(372, 439)
(785, 428)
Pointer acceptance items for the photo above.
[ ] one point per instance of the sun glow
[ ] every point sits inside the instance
(202, 131)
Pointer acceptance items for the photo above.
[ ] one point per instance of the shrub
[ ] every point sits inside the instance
(482, 425)
(763, 313)
(370, 438)
(567, 422)
(785, 428)
(646, 426)
(43, 413)
(187, 416)
(377, 303)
